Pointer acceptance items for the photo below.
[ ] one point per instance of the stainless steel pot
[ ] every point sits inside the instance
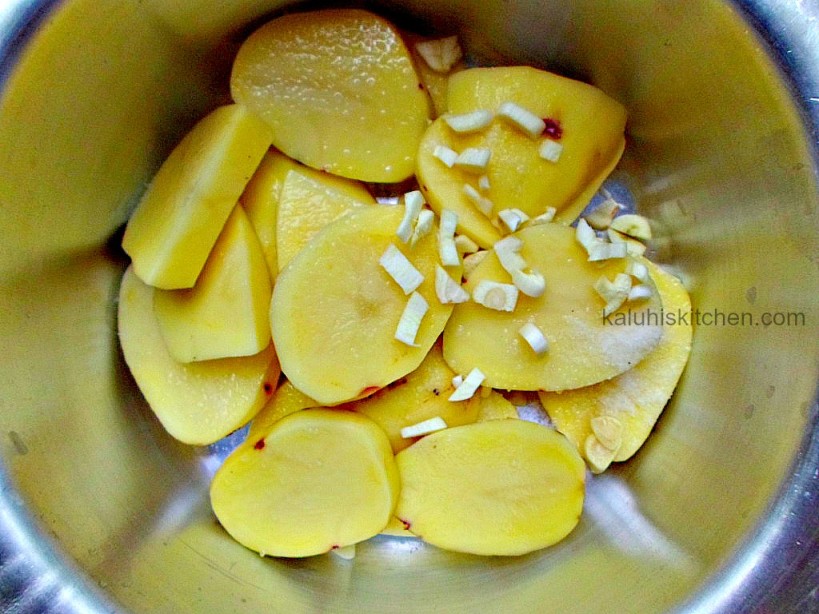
(101, 511)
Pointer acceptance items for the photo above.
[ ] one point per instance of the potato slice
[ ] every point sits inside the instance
(226, 313)
(197, 403)
(339, 90)
(178, 220)
(335, 310)
(493, 407)
(285, 401)
(584, 348)
(310, 200)
(421, 395)
(320, 480)
(503, 487)
(433, 81)
(591, 126)
(636, 398)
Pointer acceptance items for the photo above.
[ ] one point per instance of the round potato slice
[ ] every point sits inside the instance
(320, 480)
(503, 487)
(584, 347)
(339, 90)
(335, 310)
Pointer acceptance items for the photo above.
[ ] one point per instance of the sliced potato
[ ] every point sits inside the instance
(421, 395)
(320, 480)
(584, 347)
(310, 200)
(493, 407)
(178, 220)
(503, 487)
(434, 82)
(335, 310)
(285, 401)
(636, 398)
(197, 403)
(339, 90)
(226, 313)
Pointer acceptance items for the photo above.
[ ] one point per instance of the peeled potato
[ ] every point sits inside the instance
(285, 401)
(226, 313)
(629, 404)
(421, 395)
(335, 310)
(503, 487)
(309, 200)
(178, 220)
(584, 348)
(493, 407)
(339, 91)
(320, 480)
(592, 138)
(197, 403)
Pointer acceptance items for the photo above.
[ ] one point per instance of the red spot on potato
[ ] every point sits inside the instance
(268, 388)
(553, 128)
(406, 524)
(259, 445)
(365, 392)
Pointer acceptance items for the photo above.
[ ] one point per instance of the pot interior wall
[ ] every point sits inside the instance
(716, 153)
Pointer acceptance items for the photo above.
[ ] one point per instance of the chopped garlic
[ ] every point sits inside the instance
(446, 239)
(607, 251)
(483, 204)
(445, 155)
(400, 269)
(465, 245)
(410, 321)
(447, 289)
(608, 430)
(544, 218)
(640, 292)
(423, 428)
(469, 122)
(440, 54)
(468, 387)
(614, 293)
(413, 201)
(632, 225)
(472, 261)
(585, 234)
(457, 380)
(601, 216)
(534, 337)
(483, 183)
(345, 552)
(597, 455)
(508, 252)
(522, 118)
(637, 270)
(550, 150)
(474, 159)
(494, 295)
(422, 226)
(633, 246)
(513, 218)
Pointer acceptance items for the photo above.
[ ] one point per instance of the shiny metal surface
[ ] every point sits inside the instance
(100, 511)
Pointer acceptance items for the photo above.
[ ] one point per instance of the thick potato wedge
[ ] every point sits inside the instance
(178, 220)
(335, 310)
(310, 200)
(197, 403)
(503, 487)
(633, 400)
(321, 479)
(226, 314)
(339, 90)
(584, 348)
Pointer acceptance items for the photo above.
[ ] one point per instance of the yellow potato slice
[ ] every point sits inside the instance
(634, 399)
(434, 82)
(178, 220)
(493, 407)
(592, 127)
(320, 480)
(584, 347)
(197, 403)
(310, 200)
(285, 401)
(339, 90)
(503, 487)
(226, 314)
(421, 395)
(335, 310)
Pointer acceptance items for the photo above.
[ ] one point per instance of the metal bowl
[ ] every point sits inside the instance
(101, 511)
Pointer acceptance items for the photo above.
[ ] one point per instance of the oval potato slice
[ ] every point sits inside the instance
(319, 480)
(584, 347)
(335, 310)
(339, 90)
(197, 403)
(636, 398)
(502, 487)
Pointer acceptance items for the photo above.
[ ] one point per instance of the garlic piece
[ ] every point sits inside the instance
(447, 289)
(413, 202)
(422, 226)
(410, 321)
(466, 123)
(607, 251)
(544, 218)
(513, 218)
(483, 204)
(468, 386)
(424, 428)
(637, 270)
(508, 252)
(633, 246)
(397, 266)
(601, 216)
(608, 430)
(474, 159)
(632, 225)
(440, 54)
(483, 183)
(534, 337)
(614, 293)
(550, 150)
(472, 261)
(597, 455)
(465, 245)
(446, 239)
(494, 295)
(446, 155)
(522, 118)
(640, 292)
